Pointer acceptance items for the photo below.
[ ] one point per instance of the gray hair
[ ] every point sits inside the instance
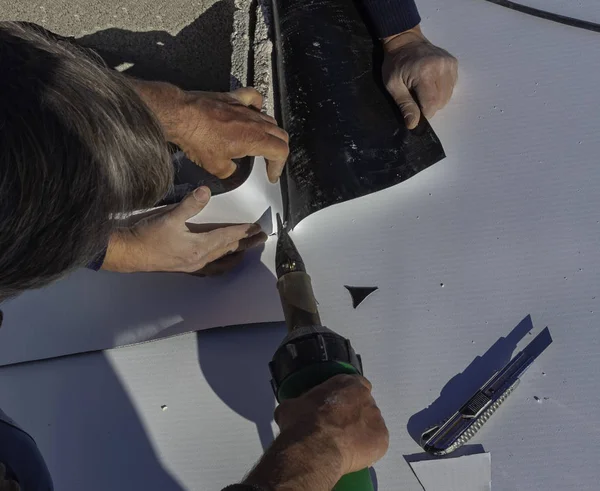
(77, 146)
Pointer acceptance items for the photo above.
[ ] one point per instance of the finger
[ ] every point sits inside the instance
(191, 205)
(269, 119)
(274, 169)
(251, 242)
(381, 441)
(222, 245)
(200, 228)
(365, 382)
(224, 237)
(408, 107)
(219, 96)
(428, 96)
(448, 79)
(221, 252)
(222, 265)
(248, 97)
(453, 77)
(277, 132)
(275, 149)
(445, 87)
(238, 246)
(444, 92)
(222, 168)
(282, 411)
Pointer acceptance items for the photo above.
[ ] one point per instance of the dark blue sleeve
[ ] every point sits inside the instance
(96, 264)
(242, 487)
(390, 17)
(22, 458)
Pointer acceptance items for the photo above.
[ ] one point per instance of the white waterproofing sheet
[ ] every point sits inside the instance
(507, 226)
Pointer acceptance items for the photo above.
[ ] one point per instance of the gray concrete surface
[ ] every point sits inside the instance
(186, 42)
(262, 54)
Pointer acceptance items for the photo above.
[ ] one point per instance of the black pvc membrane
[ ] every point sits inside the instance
(347, 136)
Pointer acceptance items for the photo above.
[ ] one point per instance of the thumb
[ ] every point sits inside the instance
(191, 205)
(408, 107)
(248, 96)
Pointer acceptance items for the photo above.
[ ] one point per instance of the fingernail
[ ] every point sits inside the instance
(410, 121)
(202, 195)
(274, 177)
(253, 230)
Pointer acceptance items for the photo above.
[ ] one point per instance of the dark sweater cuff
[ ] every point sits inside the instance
(97, 262)
(242, 487)
(391, 17)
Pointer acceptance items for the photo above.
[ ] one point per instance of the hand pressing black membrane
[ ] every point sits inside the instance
(414, 66)
(226, 126)
(213, 128)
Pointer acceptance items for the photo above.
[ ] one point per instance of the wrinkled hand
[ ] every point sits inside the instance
(217, 127)
(341, 411)
(213, 128)
(164, 242)
(412, 64)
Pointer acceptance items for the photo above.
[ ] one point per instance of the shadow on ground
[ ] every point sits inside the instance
(235, 362)
(89, 434)
(196, 58)
(460, 452)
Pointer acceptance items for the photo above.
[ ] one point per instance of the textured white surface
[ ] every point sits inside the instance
(508, 223)
(99, 422)
(579, 9)
(466, 473)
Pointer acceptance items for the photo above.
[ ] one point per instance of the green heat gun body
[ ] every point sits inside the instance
(310, 353)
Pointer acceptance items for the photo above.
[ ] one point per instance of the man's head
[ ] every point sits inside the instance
(77, 145)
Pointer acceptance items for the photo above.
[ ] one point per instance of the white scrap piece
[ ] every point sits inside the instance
(466, 473)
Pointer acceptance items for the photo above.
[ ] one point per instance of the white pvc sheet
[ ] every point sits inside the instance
(465, 473)
(588, 10)
(507, 225)
(91, 310)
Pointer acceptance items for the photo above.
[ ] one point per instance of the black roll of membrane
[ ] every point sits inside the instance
(347, 136)
(189, 176)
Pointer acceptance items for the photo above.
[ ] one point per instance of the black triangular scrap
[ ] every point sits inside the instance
(359, 293)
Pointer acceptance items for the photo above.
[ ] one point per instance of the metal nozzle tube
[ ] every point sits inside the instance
(298, 300)
(294, 284)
